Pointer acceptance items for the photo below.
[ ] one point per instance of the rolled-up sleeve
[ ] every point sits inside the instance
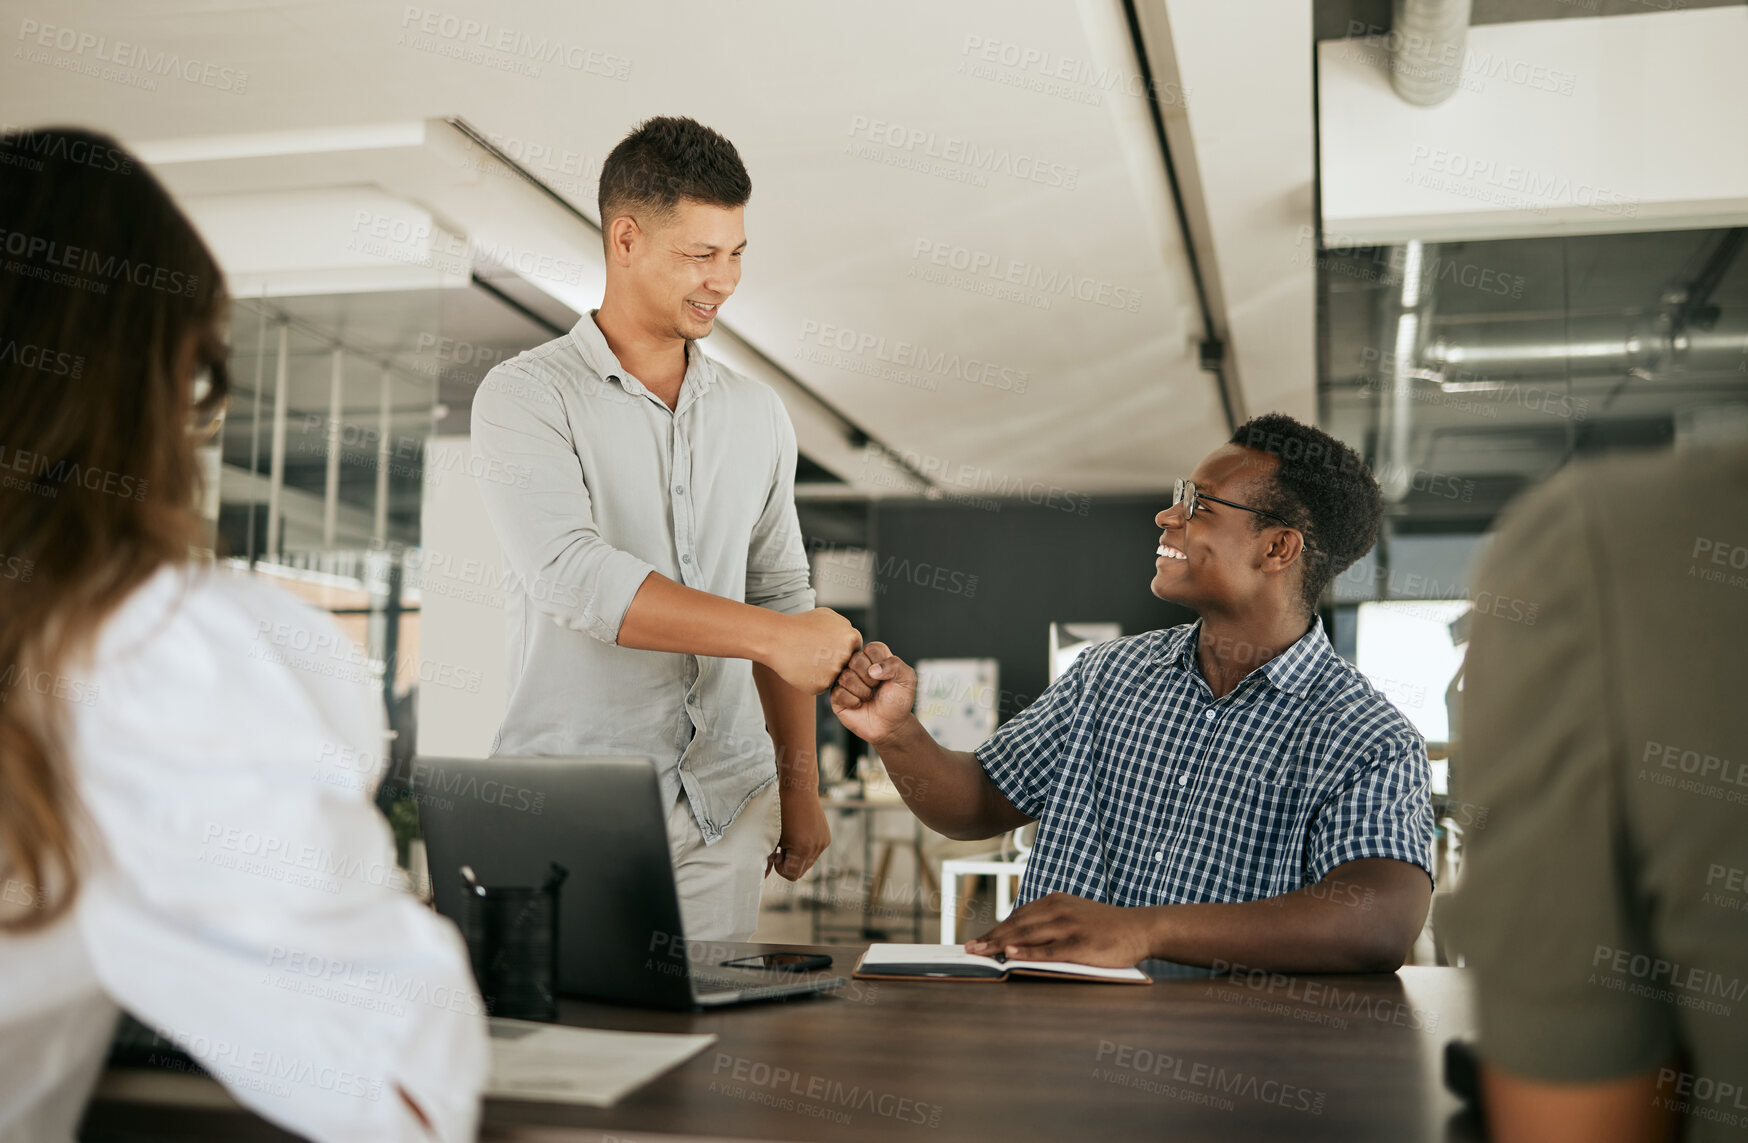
(1383, 809)
(777, 572)
(532, 482)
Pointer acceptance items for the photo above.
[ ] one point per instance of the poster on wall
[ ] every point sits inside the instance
(956, 700)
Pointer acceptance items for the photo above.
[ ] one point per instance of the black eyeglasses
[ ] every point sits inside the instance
(1186, 494)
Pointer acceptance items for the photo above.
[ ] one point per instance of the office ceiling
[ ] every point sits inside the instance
(870, 236)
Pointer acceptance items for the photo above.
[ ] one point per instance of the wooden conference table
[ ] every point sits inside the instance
(1261, 1057)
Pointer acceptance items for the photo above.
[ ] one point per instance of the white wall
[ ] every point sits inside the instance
(461, 608)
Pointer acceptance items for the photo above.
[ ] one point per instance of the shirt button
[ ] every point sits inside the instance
(1184, 778)
(1160, 856)
(685, 559)
(1210, 713)
(693, 699)
(679, 490)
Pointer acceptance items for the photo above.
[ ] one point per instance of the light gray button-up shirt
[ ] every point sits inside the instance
(610, 486)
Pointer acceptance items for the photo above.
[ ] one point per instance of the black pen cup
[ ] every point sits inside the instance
(512, 943)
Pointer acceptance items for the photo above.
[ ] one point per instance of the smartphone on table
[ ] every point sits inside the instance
(781, 961)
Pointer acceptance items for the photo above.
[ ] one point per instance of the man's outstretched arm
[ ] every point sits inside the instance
(804, 650)
(545, 522)
(947, 789)
(1363, 917)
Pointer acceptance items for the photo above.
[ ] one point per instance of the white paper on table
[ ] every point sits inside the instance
(593, 1066)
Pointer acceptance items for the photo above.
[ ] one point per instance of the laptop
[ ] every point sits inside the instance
(619, 933)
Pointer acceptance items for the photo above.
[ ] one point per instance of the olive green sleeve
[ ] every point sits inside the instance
(1544, 914)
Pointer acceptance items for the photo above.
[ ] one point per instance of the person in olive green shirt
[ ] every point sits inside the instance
(1604, 903)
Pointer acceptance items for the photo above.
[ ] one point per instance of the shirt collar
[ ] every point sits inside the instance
(1292, 671)
(598, 356)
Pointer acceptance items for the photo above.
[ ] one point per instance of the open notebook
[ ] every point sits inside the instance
(951, 962)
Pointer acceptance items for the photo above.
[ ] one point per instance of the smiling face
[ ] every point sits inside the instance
(1219, 560)
(675, 273)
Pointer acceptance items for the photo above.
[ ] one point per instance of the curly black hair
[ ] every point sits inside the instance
(1324, 488)
(664, 160)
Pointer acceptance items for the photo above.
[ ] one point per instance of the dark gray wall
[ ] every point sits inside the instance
(954, 581)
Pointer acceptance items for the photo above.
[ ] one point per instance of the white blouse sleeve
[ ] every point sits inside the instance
(238, 898)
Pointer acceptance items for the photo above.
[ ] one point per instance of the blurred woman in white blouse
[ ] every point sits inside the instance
(184, 829)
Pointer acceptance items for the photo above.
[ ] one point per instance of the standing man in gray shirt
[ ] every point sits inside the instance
(661, 603)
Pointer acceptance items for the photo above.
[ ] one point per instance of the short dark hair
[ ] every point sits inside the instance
(1321, 486)
(664, 160)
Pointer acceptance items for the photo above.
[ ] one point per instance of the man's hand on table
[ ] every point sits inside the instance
(1062, 927)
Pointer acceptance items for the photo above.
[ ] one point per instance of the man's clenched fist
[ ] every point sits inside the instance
(814, 649)
(875, 693)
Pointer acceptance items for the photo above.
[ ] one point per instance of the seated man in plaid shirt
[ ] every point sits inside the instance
(1226, 791)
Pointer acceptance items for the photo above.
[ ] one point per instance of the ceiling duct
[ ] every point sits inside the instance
(1649, 347)
(1412, 305)
(1686, 334)
(1426, 44)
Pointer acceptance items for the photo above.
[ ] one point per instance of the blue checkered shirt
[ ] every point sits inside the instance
(1150, 791)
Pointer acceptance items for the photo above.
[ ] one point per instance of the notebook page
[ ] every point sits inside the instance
(925, 955)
